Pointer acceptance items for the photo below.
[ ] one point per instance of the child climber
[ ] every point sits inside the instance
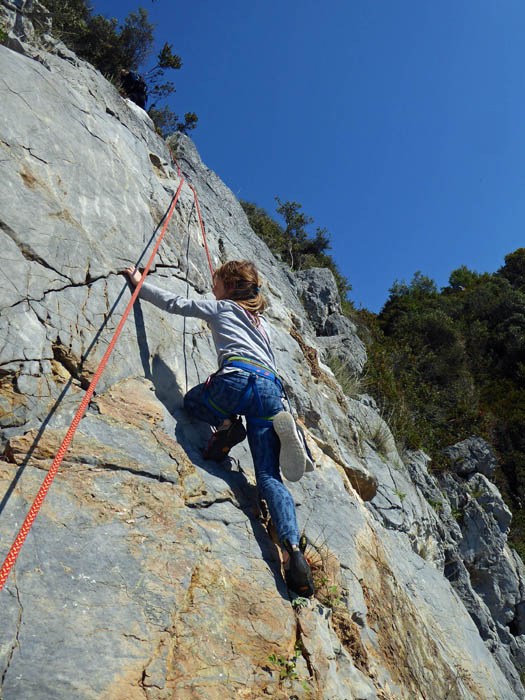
(246, 384)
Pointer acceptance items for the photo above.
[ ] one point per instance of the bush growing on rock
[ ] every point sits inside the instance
(110, 47)
(453, 363)
(293, 244)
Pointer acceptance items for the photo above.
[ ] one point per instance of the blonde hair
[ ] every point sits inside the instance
(242, 284)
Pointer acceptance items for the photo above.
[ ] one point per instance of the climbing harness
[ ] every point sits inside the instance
(255, 369)
(33, 511)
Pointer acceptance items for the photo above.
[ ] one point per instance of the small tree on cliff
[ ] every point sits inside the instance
(164, 117)
(111, 47)
(293, 244)
(295, 232)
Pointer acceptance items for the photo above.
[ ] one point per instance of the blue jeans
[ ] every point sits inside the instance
(226, 391)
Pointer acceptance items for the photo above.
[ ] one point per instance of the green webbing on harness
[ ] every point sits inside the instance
(261, 418)
(215, 407)
(256, 364)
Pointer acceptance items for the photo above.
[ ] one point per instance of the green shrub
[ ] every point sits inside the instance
(286, 667)
(3, 31)
(400, 495)
(457, 513)
(293, 244)
(111, 47)
(450, 364)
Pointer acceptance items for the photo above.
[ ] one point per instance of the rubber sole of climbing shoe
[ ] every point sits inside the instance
(222, 441)
(298, 575)
(292, 457)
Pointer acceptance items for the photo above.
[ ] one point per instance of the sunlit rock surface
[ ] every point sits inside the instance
(149, 572)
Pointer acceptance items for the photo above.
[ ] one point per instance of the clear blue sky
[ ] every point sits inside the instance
(399, 125)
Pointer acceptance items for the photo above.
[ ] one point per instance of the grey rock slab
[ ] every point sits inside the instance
(117, 575)
(457, 632)
(447, 529)
(142, 548)
(337, 324)
(23, 336)
(472, 455)
(82, 596)
(337, 334)
(369, 401)
(19, 16)
(482, 538)
(400, 506)
(319, 294)
(26, 279)
(348, 349)
(71, 207)
(519, 618)
(116, 446)
(336, 672)
(489, 498)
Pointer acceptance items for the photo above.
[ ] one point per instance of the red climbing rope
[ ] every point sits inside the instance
(173, 158)
(198, 211)
(17, 545)
(202, 229)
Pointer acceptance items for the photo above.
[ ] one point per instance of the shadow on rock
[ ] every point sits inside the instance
(83, 359)
(193, 435)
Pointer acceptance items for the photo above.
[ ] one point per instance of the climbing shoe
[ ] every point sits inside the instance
(223, 440)
(298, 574)
(292, 458)
(303, 543)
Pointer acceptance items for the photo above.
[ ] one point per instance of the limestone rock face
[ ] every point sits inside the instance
(471, 455)
(321, 299)
(150, 573)
(467, 536)
(336, 335)
(20, 18)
